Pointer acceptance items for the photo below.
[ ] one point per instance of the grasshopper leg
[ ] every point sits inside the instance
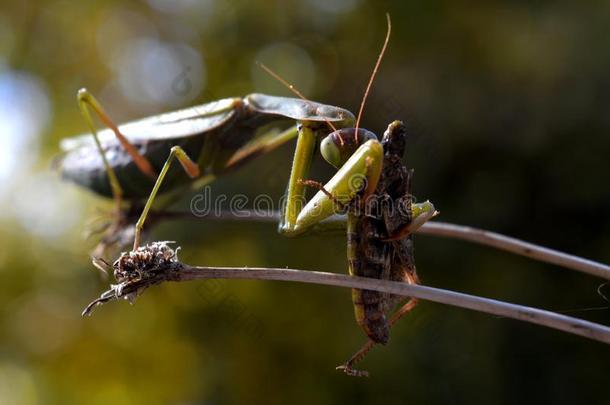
(190, 167)
(422, 213)
(348, 366)
(320, 187)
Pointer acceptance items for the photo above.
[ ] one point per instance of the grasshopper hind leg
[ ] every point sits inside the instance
(348, 366)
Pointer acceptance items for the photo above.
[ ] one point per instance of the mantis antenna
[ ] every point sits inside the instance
(289, 86)
(375, 69)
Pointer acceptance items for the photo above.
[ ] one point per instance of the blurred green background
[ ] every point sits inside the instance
(508, 104)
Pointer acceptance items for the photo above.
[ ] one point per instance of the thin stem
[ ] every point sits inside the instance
(516, 246)
(540, 317)
(446, 230)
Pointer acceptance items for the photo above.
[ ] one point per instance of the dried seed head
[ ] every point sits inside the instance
(137, 270)
(144, 262)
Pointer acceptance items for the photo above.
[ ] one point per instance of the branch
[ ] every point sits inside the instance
(540, 317)
(156, 263)
(442, 229)
(516, 246)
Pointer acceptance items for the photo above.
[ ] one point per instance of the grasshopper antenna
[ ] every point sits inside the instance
(289, 86)
(375, 69)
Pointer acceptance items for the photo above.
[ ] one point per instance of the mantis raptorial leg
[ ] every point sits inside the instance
(362, 168)
(295, 193)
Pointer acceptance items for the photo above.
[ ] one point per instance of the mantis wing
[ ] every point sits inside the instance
(172, 125)
(300, 110)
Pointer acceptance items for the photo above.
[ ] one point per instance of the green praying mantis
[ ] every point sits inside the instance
(126, 161)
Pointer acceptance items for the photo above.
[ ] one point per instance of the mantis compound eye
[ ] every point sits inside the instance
(330, 151)
(338, 146)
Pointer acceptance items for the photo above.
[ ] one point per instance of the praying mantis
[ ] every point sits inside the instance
(357, 153)
(124, 161)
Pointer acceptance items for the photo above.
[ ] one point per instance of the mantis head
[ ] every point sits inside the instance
(338, 146)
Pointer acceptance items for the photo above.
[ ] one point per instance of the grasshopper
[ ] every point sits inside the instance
(380, 243)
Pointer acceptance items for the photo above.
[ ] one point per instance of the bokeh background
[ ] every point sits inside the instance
(508, 104)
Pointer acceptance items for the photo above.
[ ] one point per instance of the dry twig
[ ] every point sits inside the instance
(157, 262)
(446, 230)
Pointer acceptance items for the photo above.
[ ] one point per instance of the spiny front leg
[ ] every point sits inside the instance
(360, 172)
(357, 155)
(295, 192)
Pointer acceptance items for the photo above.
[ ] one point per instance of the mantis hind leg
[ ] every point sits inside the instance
(191, 168)
(85, 102)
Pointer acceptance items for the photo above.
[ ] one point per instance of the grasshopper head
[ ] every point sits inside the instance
(395, 138)
(338, 146)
